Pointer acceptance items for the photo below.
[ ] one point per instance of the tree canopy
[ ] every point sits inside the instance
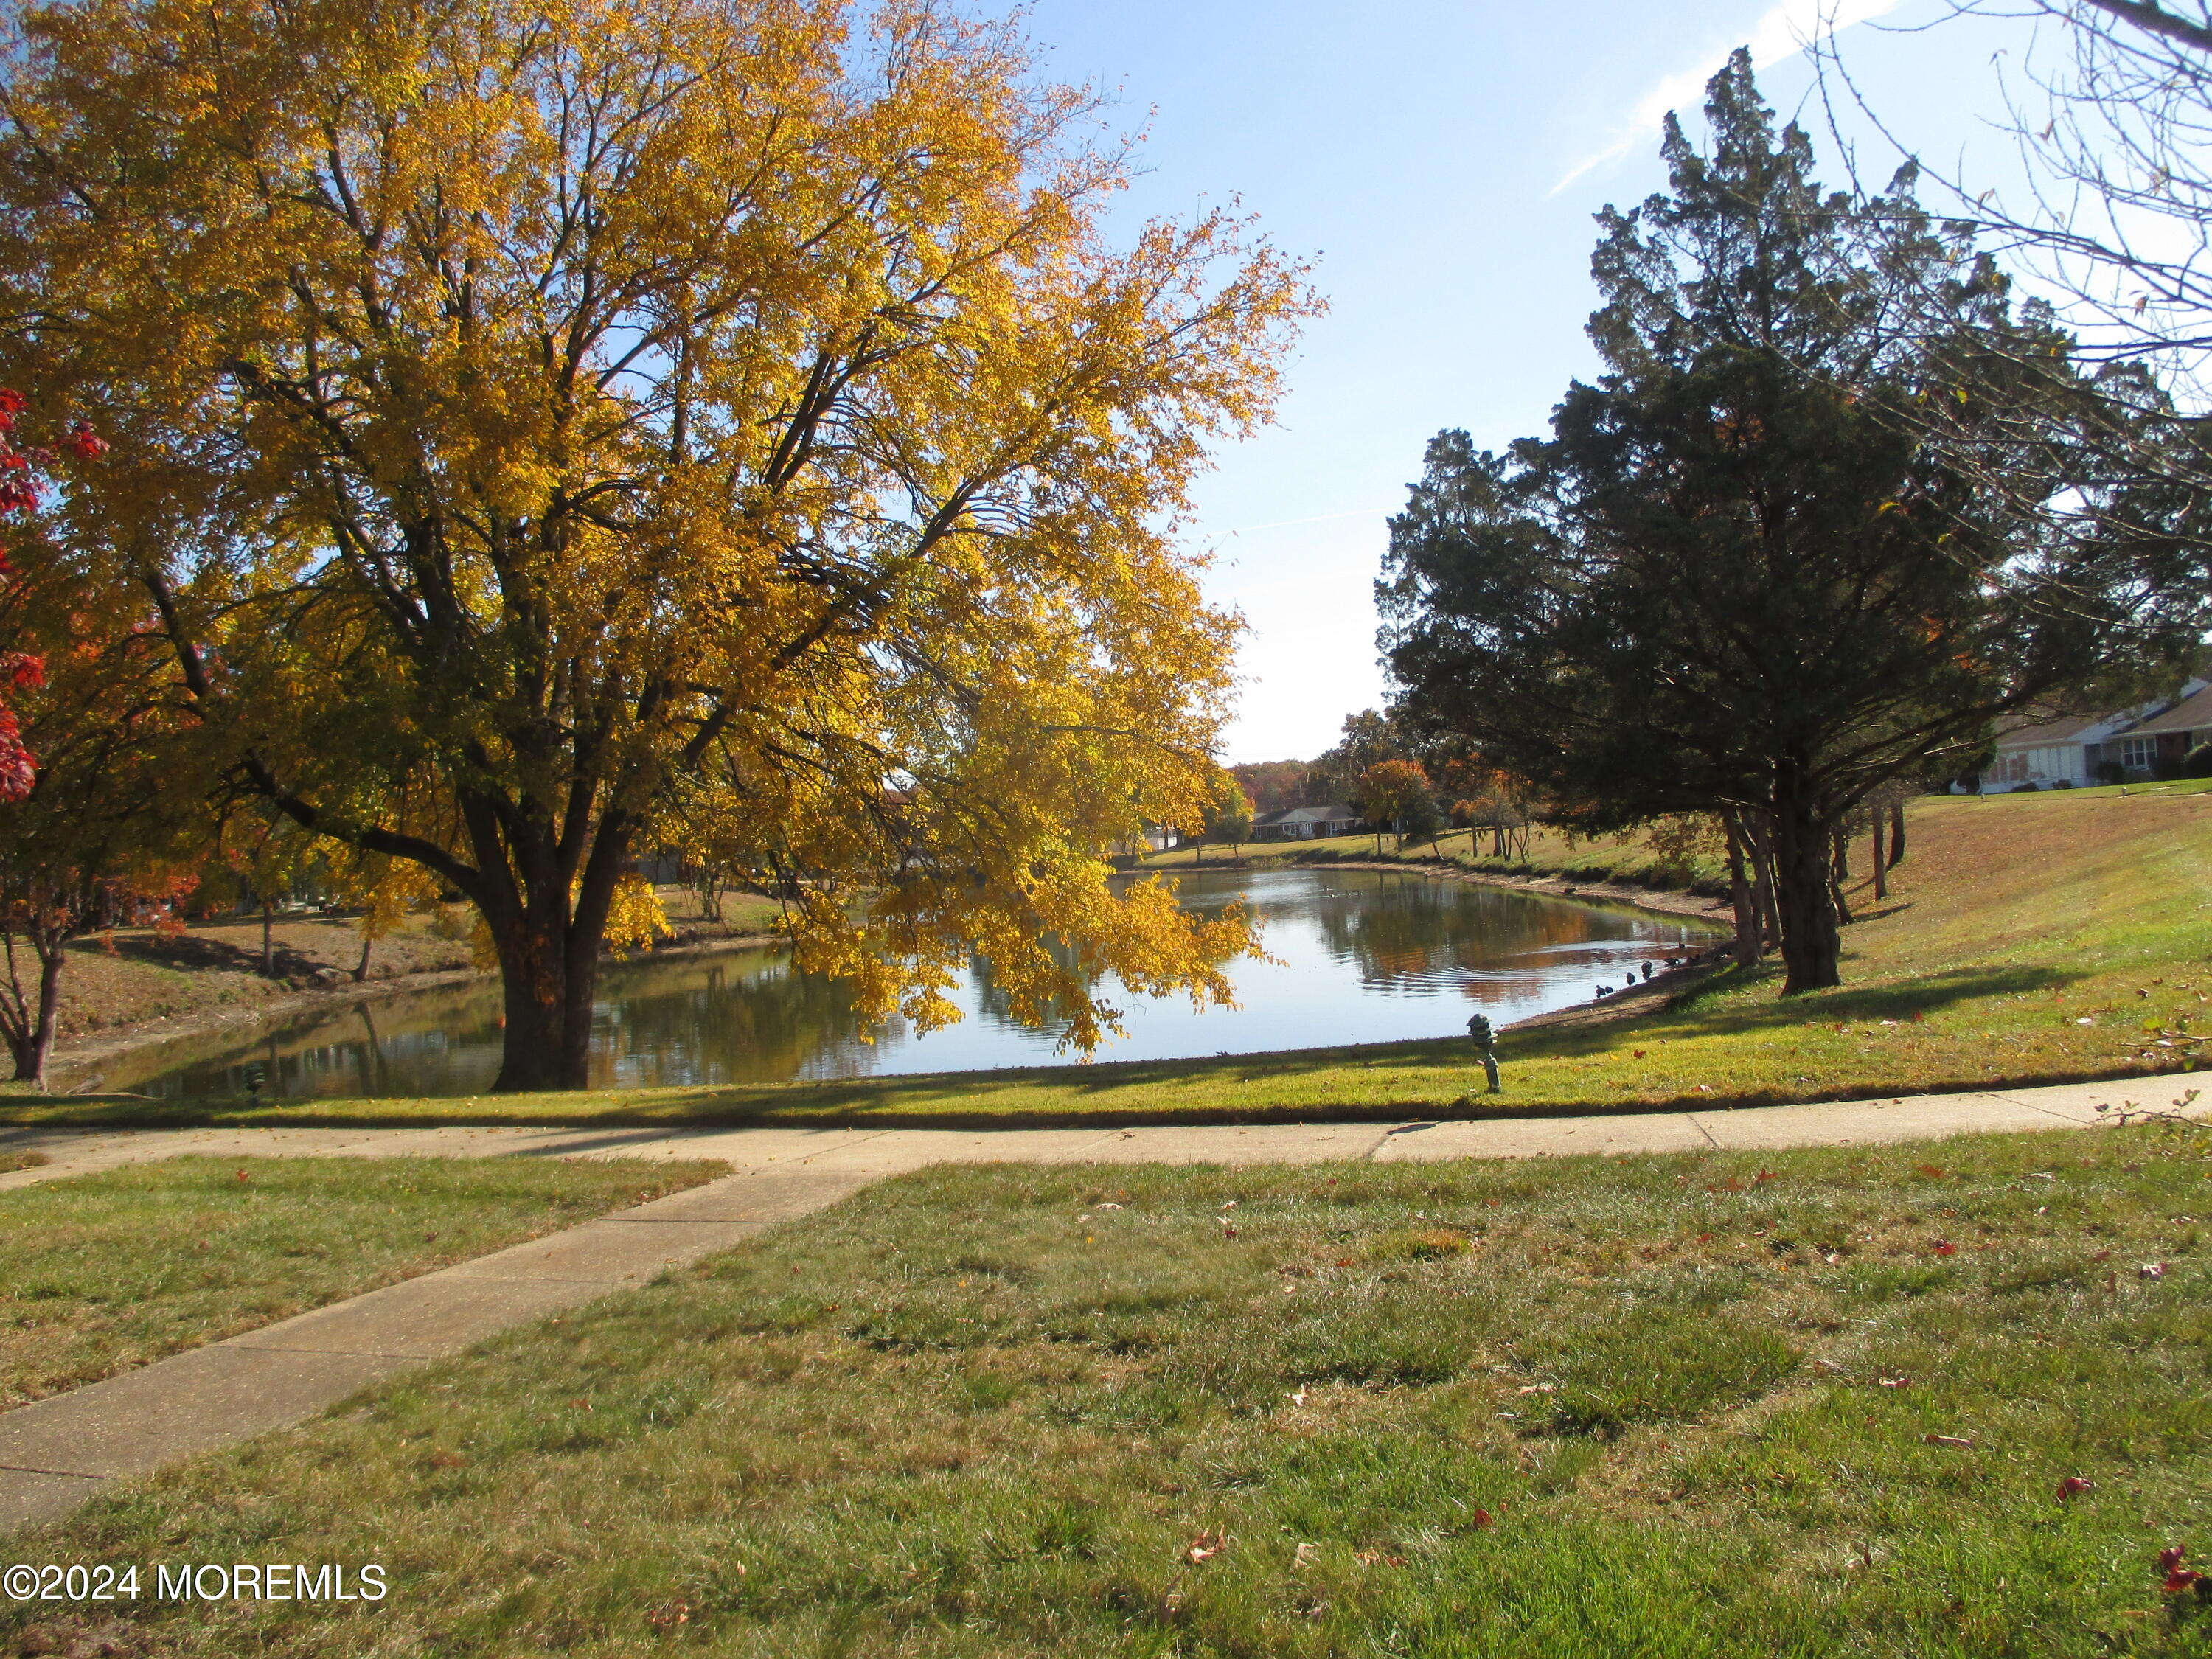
(1799, 539)
(536, 415)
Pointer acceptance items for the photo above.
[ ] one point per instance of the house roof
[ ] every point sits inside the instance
(2191, 713)
(1333, 814)
(2033, 732)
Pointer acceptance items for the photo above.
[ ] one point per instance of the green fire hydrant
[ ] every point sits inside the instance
(1487, 1041)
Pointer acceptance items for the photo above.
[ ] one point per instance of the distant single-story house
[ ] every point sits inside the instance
(1305, 822)
(2166, 737)
(2081, 749)
(2064, 750)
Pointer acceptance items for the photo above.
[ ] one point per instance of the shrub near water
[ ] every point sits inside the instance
(1654, 1407)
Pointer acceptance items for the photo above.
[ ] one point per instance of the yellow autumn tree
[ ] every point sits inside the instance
(538, 411)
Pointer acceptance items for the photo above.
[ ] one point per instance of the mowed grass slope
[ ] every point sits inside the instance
(2027, 938)
(1822, 1403)
(98, 1274)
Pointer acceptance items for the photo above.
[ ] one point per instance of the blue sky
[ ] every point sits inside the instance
(1441, 163)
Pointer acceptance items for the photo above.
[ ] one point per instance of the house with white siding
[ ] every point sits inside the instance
(2078, 751)
(1306, 822)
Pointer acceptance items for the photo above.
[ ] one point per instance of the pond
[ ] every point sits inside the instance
(1358, 956)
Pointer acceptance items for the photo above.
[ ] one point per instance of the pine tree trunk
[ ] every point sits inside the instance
(1896, 834)
(1880, 868)
(1812, 951)
(1740, 896)
(1839, 872)
(1762, 890)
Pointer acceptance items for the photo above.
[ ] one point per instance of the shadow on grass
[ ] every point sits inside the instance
(197, 953)
(992, 1100)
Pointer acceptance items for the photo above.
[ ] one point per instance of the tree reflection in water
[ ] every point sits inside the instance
(1358, 956)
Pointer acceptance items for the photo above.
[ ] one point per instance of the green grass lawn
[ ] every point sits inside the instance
(1810, 1404)
(2027, 938)
(1630, 859)
(102, 1272)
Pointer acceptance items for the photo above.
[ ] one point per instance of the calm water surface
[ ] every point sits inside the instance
(1360, 957)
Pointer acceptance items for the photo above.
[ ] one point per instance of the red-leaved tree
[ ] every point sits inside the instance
(19, 487)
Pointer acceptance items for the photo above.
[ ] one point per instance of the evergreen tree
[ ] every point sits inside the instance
(1796, 542)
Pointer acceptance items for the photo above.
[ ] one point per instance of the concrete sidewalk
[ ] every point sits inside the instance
(56, 1452)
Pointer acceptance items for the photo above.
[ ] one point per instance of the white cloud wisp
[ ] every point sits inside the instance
(1782, 31)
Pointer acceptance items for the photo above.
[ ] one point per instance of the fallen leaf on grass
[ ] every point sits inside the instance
(1483, 1517)
(1306, 1554)
(2178, 1578)
(1945, 1247)
(2151, 1270)
(1207, 1545)
(1378, 1559)
(1894, 1382)
(1958, 1440)
(1931, 1172)
(2073, 1487)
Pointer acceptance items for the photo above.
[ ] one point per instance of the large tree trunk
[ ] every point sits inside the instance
(1739, 895)
(548, 960)
(1812, 950)
(1896, 834)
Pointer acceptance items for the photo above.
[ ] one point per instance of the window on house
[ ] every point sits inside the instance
(2137, 754)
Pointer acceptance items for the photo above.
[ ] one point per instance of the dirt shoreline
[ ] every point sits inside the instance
(74, 1058)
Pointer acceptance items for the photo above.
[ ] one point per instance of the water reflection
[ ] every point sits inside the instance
(1358, 956)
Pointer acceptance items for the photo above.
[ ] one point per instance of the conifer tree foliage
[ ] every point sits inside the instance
(545, 411)
(1788, 547)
